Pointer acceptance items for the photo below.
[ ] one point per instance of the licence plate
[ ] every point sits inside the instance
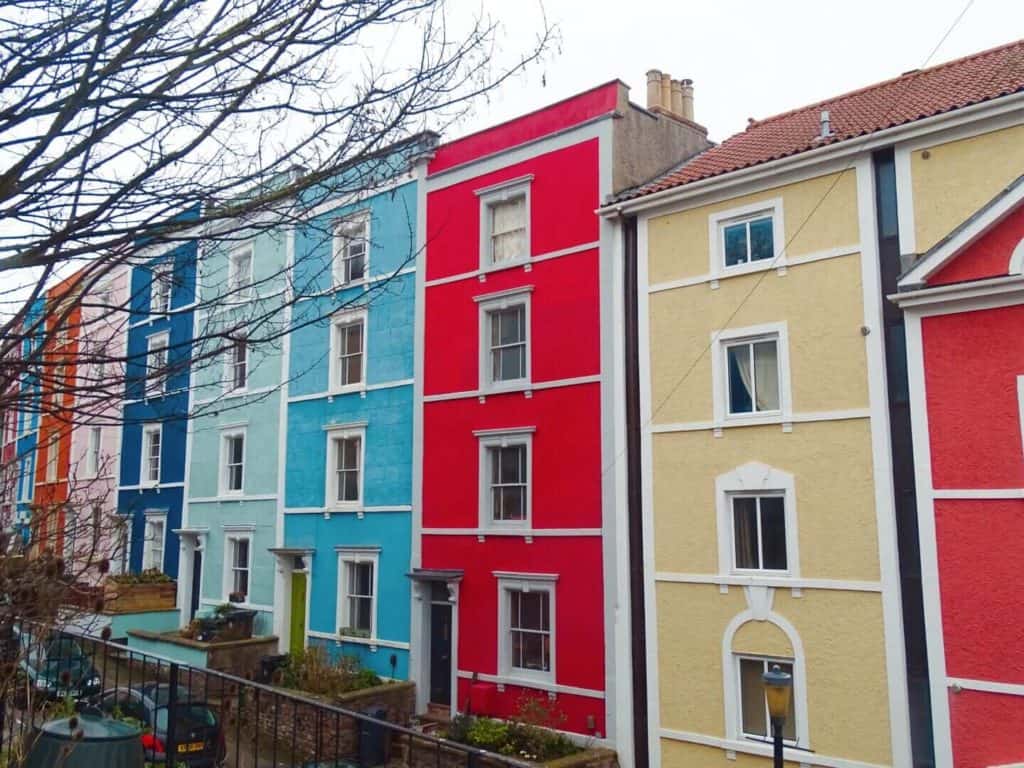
(194, 746)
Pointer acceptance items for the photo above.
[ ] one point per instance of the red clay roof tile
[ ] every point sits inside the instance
(915, 95)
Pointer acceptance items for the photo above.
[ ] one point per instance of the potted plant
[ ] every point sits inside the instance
(151, 590)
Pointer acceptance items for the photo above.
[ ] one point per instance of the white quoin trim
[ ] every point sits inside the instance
(733, 720)
(755, 478)
(1017, 259)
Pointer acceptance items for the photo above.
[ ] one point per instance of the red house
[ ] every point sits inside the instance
(964, 304)
(520, 532)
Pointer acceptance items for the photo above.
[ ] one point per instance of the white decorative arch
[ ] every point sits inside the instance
(731, 676)
(1017, 259)
(755, 477)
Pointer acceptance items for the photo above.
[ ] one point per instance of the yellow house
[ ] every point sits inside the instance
(774, 489)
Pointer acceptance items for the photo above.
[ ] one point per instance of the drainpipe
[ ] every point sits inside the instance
(634, 498)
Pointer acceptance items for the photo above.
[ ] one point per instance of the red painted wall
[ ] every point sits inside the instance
(563, 196)
(566, 456)
(564, 343)
(989, 256)
(564, 314)
(986, 728)
(982, 607)
(972, 361)
(555, 117)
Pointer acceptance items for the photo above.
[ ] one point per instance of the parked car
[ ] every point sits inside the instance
(54, 667)
(198, 735)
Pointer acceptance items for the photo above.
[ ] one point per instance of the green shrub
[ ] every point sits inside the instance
(313, 671)
(488, 733)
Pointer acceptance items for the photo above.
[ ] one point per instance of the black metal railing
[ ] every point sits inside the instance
(56, 672)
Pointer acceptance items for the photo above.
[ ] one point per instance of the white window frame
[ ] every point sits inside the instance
(334, 368)
(231, 364)
(755, 479)
(93, 451)
(503, 438)
(524, 582)
(356, 555)
(152, 518)
(144, 480)
(499, 193)
(721, 340)
(759, 602)
(228, 578)
(228, 434)
(156, 383)
(718, 221)
(239, 287)
(52, 456)
(737, 658)
(336, 433)
(160, 275)
(492, 302)
(339, 248)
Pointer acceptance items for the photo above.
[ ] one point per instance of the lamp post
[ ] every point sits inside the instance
(778, 687)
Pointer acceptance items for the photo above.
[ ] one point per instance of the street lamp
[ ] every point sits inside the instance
(778, 687)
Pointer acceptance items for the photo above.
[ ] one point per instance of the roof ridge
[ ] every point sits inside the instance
(908, 75)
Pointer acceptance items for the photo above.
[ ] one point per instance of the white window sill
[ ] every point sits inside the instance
(487, 267)
(230, 496)
(361, 283)
(505, 387)
(753, 419)
(527, 679)
(235, 392)
(750, 267)
(148, 486)
(349, 389)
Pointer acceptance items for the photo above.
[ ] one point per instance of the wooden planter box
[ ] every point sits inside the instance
(126, 598)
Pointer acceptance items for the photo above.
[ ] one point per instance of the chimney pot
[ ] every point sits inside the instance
(653, 88)
(826, 124)
(687, 99)
(666, 91)
(677, 97)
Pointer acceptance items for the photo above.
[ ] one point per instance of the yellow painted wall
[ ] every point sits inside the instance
(822, 304)
(959, 177)
(847, 688)
(831, 465)
(678, 242)
(831, 461)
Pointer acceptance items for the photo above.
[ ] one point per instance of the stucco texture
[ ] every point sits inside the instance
(678, 242)
(821, 304)
(831, 465)
(847, 688)
(959, 177)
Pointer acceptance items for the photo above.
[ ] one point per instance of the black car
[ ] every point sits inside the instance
(53, 667)
(198, 736)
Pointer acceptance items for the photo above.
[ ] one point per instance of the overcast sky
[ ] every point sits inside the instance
(747, 58)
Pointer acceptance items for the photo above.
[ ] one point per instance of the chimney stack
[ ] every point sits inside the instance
(653, 88)
(677, 97)
(686, 88)
(670, 97)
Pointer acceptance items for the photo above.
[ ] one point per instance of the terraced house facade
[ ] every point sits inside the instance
(778, 490)
(348, 481)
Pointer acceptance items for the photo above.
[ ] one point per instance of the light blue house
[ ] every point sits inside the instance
(235, 444)
(342, 571)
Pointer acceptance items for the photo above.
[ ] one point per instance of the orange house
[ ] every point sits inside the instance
(57, 370)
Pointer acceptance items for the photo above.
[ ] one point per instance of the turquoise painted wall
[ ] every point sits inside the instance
(384, 519)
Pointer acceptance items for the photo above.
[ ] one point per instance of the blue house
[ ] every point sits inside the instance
(342, 571)
(156, 406)
(27, 424)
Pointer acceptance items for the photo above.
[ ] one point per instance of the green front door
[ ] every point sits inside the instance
(297, 633)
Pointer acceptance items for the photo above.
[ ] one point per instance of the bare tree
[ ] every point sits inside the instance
(131, 127)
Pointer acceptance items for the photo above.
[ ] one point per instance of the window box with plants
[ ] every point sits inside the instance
(150, 590)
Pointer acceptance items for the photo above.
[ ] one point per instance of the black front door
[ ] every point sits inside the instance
(197, 571)
(441, 652)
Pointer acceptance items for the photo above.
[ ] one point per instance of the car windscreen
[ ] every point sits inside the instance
(65, 649)
(187, 716)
